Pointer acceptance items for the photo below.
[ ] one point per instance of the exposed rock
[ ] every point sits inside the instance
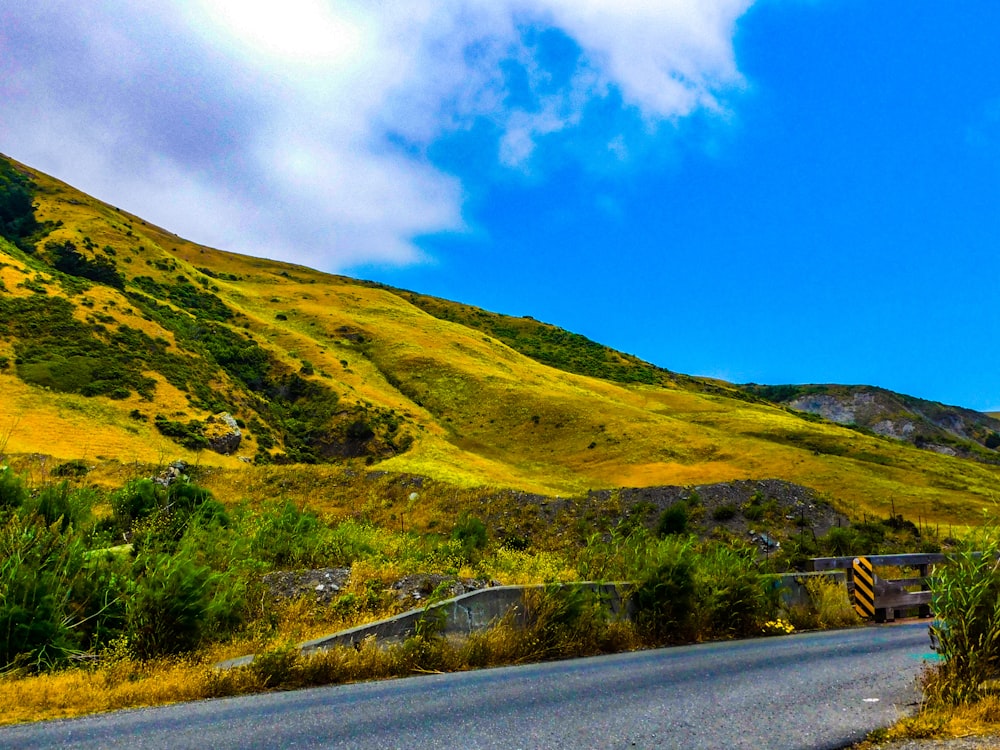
(422, 585)
(323, 584)
(223, 433)
(950, 430)
(174, 471)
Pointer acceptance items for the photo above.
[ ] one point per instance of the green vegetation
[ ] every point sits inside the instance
(673, 520)
(56, 350)
(184, 294)
(545, 343)
(17, 213)
(191, 574)
(305, 414)
(966, 631)
(64, 591)
(66, 258)
(190, 434)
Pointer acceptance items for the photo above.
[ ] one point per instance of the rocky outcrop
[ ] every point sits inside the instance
(223, 434)
(950, 430)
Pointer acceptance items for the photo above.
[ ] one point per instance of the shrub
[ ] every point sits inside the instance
(135, 501)
(664, 598)
(13, 493)
(286, 536)
(37, 566)
(673, 520)
(841, 542)
(173, 603)
(190, 434)
(349, 541)
(562, 620)
(74, 468)
(58, 503)
(724, 512)
(470, 533)
(17, 212)
(66, 258)
(829, 605)
(732, 599)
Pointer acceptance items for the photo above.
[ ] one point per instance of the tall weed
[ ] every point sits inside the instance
(38, 565)
(966, 602)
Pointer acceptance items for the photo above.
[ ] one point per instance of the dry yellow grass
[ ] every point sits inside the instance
(978, 721)
(77, 692)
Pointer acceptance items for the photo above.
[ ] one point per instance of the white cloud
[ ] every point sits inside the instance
(666, 56)
(271, 129)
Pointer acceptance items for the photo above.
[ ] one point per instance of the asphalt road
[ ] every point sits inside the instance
(814, 691)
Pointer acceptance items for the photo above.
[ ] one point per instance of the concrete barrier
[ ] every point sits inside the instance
(460, 616)
(791, 587)
(468, 613)
(478, 610)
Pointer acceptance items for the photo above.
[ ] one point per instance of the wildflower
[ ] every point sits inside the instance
(778, 627)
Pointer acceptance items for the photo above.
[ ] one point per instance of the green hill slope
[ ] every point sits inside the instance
(122, 342)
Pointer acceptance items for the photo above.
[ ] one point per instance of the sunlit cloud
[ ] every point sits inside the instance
(303, 130)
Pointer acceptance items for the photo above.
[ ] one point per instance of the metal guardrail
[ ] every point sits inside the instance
(891, 597)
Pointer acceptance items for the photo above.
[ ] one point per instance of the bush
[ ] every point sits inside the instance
(17, 212)
(13, 493)
(673, 520)
(841, 542)
(829, 605)
(664, 599)
(66, 258)
(732, 599)
(135, 501)
(724, 512)
(563, 620)
(190, 434)
(174, 603)
(58, 503)
(157, 517)
(288, 537)
(75, 468)
(470, 533)
(37, 567)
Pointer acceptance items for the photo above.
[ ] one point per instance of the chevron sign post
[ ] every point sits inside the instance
(864, 587)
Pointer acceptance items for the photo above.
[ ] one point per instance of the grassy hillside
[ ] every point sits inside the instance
(120, 343)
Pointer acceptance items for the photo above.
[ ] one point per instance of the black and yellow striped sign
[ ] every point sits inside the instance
(864, 587)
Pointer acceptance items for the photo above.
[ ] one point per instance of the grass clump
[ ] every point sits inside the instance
(829, 605)
(966, 632)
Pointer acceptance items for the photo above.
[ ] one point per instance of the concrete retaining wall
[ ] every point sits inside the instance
(478, 610)
(791, 586)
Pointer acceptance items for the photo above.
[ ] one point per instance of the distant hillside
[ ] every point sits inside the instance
(950, 430)
(121, 343)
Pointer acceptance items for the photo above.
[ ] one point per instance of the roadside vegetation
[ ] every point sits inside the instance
(128, 595)
(961, 691)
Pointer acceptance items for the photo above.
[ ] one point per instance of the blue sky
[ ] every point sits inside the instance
(771, 191)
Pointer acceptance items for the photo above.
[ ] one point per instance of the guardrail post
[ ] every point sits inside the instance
(888, 596)
(924, 570)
